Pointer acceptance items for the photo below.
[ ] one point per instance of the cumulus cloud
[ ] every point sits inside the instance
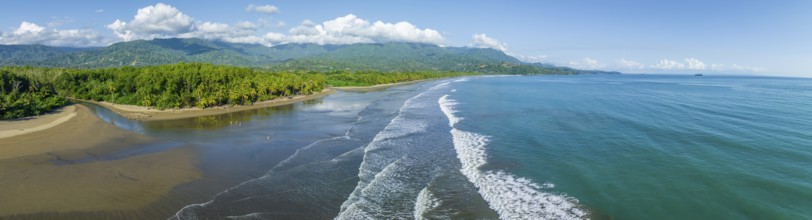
(666, 64)
(165, 21)
(268, 9)
(483, 41)
(735, 68)
(155, 21)
(689, 64)
(586, 63)
(696, 64)
(630, 64)
(530, 59)
(350, 29)
(31, 33)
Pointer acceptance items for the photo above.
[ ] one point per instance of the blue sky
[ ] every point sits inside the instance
(738, 37)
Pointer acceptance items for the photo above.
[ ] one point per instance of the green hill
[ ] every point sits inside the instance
(387, 57)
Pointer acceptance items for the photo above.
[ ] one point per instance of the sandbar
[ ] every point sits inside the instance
(38, 173)
(377, 87)
(27, 125)
(142, 113)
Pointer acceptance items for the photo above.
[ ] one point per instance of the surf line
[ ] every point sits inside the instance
(511, 197)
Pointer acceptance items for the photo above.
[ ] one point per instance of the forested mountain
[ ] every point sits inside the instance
(400, 57)
(387, 57)
(29, 54)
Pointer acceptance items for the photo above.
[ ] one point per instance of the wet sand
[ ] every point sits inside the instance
(37, 123)
(376, 87)
(68, 167)
(64, 164)
(82, 131)
(151, 114)
(125, 184)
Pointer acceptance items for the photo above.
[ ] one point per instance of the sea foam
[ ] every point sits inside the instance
(381, 173)
(425, 202)
(512, 197)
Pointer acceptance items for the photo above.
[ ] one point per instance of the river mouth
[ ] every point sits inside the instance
(152, 169)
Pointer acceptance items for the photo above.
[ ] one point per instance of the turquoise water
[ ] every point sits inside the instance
(651, 147)
(520, 147)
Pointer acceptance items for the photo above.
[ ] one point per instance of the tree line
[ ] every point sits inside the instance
(21, 96)
(28, 91)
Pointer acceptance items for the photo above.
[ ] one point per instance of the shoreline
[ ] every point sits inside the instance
(76, 128)
(378, 87)
(32, 124)
(77, 157)
(142, 113)
(73, 149)
(39, 124)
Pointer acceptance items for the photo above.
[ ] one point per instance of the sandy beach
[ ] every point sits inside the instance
(376, 87)
(30, 168)
(40, 154)
(74, 128)
(151, 114)
(37, 123)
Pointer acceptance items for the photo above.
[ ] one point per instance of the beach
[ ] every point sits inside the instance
(142, 113)
(376, 87)
(74, 128)
(38, 123)
(85, 158)
(70, 150)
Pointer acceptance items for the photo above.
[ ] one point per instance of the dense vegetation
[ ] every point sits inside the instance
(369, 78)
(176, 85)
(184, 85)
(21, 96)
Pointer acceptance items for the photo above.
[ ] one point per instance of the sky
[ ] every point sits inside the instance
(631, 36)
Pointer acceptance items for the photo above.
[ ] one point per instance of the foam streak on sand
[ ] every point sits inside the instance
(511, 197)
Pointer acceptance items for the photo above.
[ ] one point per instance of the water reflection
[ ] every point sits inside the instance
(211, 122)
(230, 148)
(217, 122)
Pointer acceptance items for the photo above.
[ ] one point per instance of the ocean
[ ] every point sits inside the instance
(512, 147)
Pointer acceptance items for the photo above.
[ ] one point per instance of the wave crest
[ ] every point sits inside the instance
(511, 197)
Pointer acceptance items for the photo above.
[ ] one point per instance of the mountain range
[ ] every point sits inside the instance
(392, 56)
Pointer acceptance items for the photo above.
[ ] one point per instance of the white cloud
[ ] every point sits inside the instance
(694, 64)
(28, 28)
(586, 63)
(99, 10)
(530, 59)
(665, 64)
(690, 64)
(630, 64)
(735, 68)
(165, 21)
(350, 29)
(483, 41)
(160, 20)
(268, 9)
(31, 33)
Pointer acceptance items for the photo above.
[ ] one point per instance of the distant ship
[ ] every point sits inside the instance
(698, 74)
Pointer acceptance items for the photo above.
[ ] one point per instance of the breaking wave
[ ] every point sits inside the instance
(511, 197)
